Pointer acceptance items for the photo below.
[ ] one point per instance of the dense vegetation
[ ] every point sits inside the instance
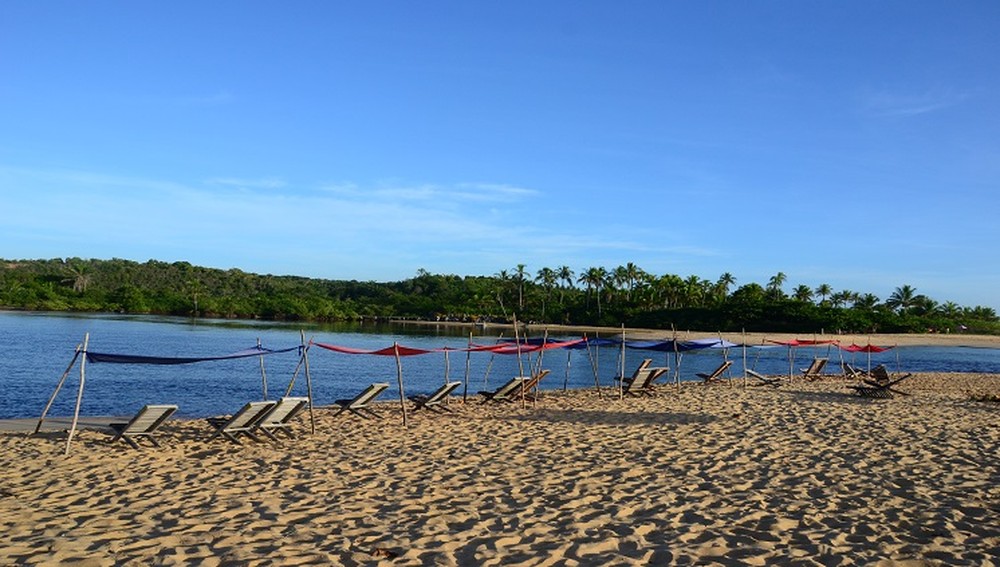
(597, 296)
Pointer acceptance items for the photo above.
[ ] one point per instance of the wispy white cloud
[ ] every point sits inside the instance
(911, 104)
(344, 230)
(263, 183)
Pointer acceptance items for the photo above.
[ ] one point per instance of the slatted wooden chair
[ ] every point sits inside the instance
(715, 375)
(280, 418)
(143, 424)
(243, 422)
(815, 370)
(642, 366)
(436, 400)
(762, 379)
(880, 385)
(360, 405)
(504, 393)
(642, 385)
(530, 386)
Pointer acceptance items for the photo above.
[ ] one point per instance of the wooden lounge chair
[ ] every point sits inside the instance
(642, 385)
(144, 424)
(852, 372)
(880, 384)
(435, 401)
(244, 422)
(642, 366)
(815, 370)
(763, 380)
(360, 404)
(281, 415)
(530, 386)
(504, 393)
(716, 375)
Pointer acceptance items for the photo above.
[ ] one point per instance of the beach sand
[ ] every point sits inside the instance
(806, 474)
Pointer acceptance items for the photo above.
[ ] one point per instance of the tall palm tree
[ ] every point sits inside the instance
(594, 278)
(902, 299)
(802, 293)
(823, 290)
(565, 275)
(547, 278)
(722, 285)
(520, 275)
(775, 283)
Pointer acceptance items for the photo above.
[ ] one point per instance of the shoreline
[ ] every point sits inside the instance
(881, 339)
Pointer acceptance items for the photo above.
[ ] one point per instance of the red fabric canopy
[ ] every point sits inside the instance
(867, 348)
(503, 348)
(802, 342)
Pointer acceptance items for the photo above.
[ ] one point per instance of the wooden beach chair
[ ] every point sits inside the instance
(715, 375)
(642, 385)
(851, 372)
(505, 392)
(530, 386)
(143, 424)
(435, 401)
(880, 385)
(360, 405)
(642, 366)
(763, 380)
(243, 422)
(281, 415)
(815, 370)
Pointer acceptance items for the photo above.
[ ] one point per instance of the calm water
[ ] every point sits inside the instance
(35, 350)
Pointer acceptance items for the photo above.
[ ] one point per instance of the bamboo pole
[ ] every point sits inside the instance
(79, 393)
(399, 381)
(309, 384)
(677, 360)
(520, 363)
(62, 379)
(468, 369)
(743, 334)
(263, 373)
(593, 367)
(621, 367)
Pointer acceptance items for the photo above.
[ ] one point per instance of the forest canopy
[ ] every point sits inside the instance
(594, 296)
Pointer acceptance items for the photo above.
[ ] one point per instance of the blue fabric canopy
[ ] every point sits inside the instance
(138, 359)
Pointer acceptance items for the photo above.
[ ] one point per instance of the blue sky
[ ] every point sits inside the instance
(850, 143)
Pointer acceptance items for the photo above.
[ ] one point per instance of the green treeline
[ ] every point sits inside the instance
(596, 296)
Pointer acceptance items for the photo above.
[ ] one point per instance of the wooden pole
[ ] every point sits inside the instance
(593, 367)
(399, 381)
(743, 334)
(263, 373)
(621, 367)
(79, 393)
(309, 384)
(468, 368)
(62, 379)
(520, 363)
(569, 364)
(677, 360)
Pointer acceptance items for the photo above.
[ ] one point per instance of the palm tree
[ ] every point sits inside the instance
(725, 281)
(565, 275)
(520, 275)
(866, 302)
(546, 277)
(79, 276)
(902, 299)
(802, 293)
(823, 290)
(594, 279)
(775, 283)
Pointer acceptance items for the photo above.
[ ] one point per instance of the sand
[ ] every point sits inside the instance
(805, 474)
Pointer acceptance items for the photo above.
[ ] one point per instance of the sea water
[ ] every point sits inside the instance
(37, 351)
